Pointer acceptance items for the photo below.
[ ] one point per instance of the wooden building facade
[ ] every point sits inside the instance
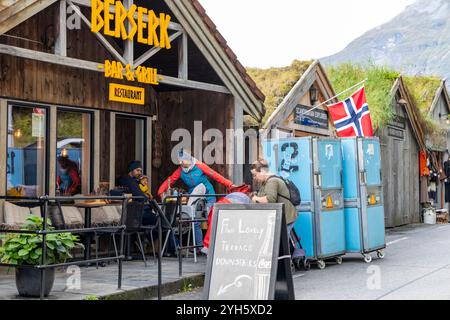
(54, 96)
(401, 141)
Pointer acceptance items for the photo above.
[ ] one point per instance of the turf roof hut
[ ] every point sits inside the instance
(396, 123)
(431, 98)
(289, 92)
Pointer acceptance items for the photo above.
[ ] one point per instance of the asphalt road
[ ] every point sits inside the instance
(416, 266)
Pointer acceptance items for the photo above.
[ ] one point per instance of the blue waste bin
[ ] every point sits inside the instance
(314, 165)
(363, 197)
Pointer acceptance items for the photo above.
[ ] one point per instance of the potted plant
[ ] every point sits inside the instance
(26, 250)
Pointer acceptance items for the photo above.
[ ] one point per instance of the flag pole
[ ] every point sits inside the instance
(319, 105)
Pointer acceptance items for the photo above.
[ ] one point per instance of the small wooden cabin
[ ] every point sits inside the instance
(431, 97)
(401, 141)
(306, 88)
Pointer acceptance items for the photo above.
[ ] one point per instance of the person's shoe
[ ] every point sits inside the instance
(204, 251)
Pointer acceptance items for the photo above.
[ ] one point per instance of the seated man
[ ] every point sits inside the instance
(131, 184)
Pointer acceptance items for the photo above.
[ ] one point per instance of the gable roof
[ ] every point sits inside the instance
(442, 90)
(289, 86)
(192, 16)
(424, 91)
(412, 112)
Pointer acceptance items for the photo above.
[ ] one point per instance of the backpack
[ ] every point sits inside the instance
(294, 193)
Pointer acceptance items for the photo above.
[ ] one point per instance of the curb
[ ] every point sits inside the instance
(151, 292)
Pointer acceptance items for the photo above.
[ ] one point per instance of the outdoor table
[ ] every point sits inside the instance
(88, 206)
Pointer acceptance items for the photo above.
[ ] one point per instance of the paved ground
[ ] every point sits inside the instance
(416, 266)
(103, 282)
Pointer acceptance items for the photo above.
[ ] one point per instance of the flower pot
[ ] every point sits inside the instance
(28, 281)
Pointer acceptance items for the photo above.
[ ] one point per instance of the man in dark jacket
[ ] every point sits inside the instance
(131, 184)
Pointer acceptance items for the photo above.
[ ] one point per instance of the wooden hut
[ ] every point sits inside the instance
(291, 92)
(396, 122)
(431, 97)
(56, 97)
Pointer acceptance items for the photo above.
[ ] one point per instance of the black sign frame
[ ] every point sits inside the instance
(281, 285)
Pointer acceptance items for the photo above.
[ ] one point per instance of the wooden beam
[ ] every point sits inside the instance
(183, 56)
(87, 3)
(102, 39)
(94, 66)
(61, 37)
(193, 84)
(21, 11)
(128, 44)
(150, 53)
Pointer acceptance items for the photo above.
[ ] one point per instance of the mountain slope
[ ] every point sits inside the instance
(415, 42)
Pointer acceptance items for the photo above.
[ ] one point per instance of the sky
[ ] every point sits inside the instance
(272, 33)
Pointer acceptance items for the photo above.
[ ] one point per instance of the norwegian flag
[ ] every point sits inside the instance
(352, 117)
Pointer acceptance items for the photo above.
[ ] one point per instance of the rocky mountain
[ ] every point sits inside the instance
(416, 42)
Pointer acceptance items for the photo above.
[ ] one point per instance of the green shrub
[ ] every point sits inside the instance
(26, 249)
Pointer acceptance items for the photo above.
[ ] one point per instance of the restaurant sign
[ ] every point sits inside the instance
(126, 94)
(150, 29)
(317, 118)
(113, 18)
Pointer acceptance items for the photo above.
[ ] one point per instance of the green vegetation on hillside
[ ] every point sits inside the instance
(276, 83)
(380, 81)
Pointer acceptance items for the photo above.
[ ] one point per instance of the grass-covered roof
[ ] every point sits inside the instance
(380, 81)
(423, 91)
(276, 83)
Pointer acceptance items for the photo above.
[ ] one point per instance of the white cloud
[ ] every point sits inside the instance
(267, 33)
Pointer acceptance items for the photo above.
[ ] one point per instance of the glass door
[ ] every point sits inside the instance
(129, 143)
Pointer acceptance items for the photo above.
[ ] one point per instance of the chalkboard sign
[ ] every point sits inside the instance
(249, 255)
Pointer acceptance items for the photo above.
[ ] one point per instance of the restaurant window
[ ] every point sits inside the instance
(73, 165)
(27, 151)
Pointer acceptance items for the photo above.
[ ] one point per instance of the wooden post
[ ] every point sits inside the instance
(96, 155)
(183, 56)
(239, 156)
(112, 151)
(149, 145)
(3, 152)
(52, 152)
(61, 35)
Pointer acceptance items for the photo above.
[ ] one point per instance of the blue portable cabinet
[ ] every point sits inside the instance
(363, 197)
(314, 165)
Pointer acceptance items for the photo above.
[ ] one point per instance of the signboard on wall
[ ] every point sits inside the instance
(249, 254)
(127, 94)
(37, 125)
(317, 118)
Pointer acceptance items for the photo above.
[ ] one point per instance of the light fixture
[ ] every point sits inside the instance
(402, 102)
(313, 95)
(18, 133)
(64, 153)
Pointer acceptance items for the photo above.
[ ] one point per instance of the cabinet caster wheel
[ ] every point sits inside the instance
(381, 254)
(321, 264)
(367, 258)
(306, 265)
(339, 260)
